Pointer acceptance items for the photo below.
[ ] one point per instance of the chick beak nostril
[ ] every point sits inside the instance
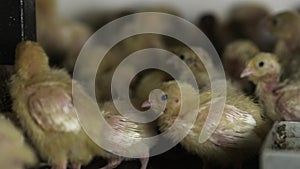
(146, 104)
(246, 72)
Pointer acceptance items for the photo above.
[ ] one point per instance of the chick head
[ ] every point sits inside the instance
(172, 96)
(31, 59)
(191, 58)
(284, 25)
(262, 66)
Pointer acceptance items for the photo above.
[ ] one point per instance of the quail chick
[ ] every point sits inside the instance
(280, 100)
(199, 69)
(285, 27)
(238, 136)
(14, 152)
(42, 98)
(195, 64)
(238, 53)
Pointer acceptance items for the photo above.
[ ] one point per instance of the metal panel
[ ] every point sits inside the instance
(17, 23)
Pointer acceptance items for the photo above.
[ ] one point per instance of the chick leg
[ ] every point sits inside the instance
(144, 162)
(113, 163)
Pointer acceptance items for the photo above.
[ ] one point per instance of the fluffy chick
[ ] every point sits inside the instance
(285, 27)
(14, 152)
(238, 53)
(195, 64)
(281, 100)
(61, 38)
(42, 99)
(241, 129)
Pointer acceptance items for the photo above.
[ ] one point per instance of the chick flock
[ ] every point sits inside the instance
(260, 54)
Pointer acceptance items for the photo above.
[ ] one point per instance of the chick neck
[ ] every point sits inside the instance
(268, 83)
(265, 90)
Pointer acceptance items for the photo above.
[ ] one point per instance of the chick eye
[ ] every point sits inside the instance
(261, 64)
(164, 97)
(182, 57)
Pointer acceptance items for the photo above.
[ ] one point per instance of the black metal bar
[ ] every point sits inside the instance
(17, 23)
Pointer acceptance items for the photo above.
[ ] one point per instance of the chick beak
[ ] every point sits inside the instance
(246, 72)
(146, 104)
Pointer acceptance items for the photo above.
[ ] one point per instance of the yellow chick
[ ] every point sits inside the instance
(195, 64)
(238, 136)
(14, 152)
(42, 99)
(285, 27)
(235, 58)
(280, 100)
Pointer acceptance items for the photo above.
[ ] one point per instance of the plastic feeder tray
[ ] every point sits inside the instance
(281, 149)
